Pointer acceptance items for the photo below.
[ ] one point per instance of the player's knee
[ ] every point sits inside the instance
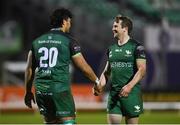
(50, 120)
(114, 118)
(69, 122)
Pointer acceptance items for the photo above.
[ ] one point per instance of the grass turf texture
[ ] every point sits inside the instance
(99, 117)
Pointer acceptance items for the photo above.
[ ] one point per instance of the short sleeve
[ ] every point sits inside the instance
(74, 48)
(140, 52)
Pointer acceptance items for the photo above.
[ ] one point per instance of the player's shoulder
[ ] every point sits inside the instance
(139, 46)
(112, 45)
(74, 41)
(41, 37)
(135, 42)
(35, 41)
(72, 38)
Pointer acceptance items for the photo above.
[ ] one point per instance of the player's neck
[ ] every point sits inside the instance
(62, 29)
(123, 39)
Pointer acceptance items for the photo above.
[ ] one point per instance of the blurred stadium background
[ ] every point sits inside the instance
(156, 25)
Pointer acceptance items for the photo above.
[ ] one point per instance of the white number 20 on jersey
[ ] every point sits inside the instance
(48, 54)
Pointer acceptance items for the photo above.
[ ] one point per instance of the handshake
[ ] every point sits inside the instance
(99, 85)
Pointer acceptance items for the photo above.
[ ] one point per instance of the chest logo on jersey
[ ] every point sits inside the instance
(118, 50)
(128, 53)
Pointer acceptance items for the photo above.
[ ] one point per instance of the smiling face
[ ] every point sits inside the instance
(118, 30)
(122, 26)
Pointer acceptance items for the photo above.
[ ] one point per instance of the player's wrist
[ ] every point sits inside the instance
(130, 85)
(97, 81)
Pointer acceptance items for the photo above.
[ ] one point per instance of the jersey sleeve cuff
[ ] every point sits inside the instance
(77, 54)
(141, 59)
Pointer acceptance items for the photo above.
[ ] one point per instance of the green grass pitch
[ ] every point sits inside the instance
(98, 117)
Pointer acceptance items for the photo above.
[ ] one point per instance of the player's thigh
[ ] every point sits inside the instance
(114, 105)
(46, 106)
(132, 106)
(64, 102)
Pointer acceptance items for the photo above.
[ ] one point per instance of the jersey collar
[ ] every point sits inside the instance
(123, 43)
(55, 29)
(58, 30)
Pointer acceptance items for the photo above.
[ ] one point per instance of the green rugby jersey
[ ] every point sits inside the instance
(122, 60)
(52, 54)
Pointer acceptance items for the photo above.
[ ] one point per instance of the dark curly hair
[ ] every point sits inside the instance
(58, 16)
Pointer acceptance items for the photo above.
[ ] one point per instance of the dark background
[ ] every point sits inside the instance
(92, 24)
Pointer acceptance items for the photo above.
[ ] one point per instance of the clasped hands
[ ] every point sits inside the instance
(97, 89)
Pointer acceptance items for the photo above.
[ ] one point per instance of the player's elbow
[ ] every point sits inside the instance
(142, 70)
(28, 72)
